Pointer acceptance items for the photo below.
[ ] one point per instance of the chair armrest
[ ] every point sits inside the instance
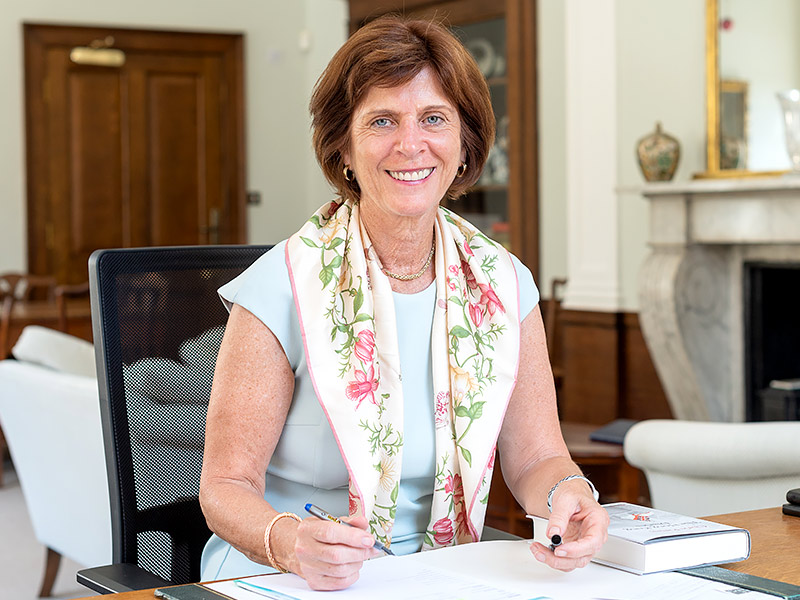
(45, 413)
(122, 577)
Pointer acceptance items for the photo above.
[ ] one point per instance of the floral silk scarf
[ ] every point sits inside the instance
(348, 324)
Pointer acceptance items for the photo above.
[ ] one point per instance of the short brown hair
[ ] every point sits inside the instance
(388, 52)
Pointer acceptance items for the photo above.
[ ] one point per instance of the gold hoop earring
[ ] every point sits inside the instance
(462, 168)
(348, 173)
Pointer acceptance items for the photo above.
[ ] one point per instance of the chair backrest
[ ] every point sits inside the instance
(157, 323)
(62, 292)
(709, 468)
(552, 316)
(22, 286)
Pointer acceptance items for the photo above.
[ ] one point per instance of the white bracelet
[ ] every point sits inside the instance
(569, 478)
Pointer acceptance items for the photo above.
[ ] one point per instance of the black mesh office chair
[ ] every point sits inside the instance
(158, 324)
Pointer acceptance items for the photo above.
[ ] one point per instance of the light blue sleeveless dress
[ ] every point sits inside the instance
(306, 465)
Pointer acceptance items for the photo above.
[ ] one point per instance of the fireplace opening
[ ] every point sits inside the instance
(772, 341)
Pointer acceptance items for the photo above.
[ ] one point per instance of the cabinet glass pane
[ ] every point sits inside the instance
(486, 204)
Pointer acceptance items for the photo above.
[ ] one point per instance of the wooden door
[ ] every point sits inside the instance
(147, 153)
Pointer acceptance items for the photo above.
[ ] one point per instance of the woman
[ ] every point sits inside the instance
(374, 361)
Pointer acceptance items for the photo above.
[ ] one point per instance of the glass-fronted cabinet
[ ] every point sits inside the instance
(486, 205)
(500, 34)
(501, 37)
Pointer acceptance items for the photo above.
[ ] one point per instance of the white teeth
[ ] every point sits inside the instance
(410, 175)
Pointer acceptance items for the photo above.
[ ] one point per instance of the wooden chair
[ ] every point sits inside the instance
(62, 292)
(16, 287)
(552, 321)
(23, 285)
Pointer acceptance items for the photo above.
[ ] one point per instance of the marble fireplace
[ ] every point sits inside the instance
(705, 235)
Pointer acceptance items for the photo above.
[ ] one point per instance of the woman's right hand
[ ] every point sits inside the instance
(329, 555)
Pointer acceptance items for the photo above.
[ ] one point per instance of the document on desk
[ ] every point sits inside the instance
(497, 570)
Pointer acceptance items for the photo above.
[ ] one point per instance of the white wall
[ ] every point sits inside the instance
(659, 75)
(550, 32)
(327, 25)
(280, 72)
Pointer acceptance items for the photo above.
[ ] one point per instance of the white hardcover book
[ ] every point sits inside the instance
(645, 540)
(785, 384)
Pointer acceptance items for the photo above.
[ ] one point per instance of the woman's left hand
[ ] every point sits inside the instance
(582, 524)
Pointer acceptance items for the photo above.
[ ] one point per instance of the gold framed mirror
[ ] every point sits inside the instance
(744, 129)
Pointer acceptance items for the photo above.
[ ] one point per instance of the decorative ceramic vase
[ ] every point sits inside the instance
(790, 103)
(658, 155)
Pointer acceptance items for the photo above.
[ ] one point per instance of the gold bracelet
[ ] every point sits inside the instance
(273, 563)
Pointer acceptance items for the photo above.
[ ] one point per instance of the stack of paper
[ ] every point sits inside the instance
(491, 571)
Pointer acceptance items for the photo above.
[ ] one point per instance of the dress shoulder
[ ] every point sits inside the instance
(528, 292)
(264, 290)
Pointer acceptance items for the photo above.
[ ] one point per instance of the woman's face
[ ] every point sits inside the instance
(405, 147)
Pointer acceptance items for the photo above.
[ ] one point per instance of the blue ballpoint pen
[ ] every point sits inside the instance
(321, 514)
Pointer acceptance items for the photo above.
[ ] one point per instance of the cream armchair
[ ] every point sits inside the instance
(701, 469)
(50, 413)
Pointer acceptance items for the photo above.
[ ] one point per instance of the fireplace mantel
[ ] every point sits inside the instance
(690, 288)
(725, 211)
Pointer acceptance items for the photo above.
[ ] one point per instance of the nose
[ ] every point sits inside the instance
(410, 140)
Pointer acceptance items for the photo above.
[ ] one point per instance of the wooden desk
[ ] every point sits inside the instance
(775, 544)
(775, 551)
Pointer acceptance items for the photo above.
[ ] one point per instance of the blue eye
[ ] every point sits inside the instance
(433, 120)
(381, 122)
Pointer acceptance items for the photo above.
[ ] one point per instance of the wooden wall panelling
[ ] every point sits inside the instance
(608, 372)
(641, 393)
(590, 347)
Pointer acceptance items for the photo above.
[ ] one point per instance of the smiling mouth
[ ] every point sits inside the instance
(418, 175)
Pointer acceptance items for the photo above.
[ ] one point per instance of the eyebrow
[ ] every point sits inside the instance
(386, 111)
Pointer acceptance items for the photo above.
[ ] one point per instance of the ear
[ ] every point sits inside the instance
(346, 156)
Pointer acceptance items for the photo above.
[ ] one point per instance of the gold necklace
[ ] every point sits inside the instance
(419, 273)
